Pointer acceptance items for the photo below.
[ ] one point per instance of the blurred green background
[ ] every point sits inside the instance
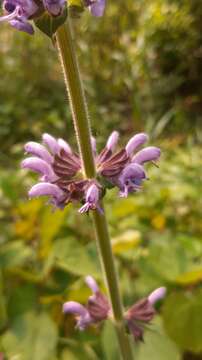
(142, 65)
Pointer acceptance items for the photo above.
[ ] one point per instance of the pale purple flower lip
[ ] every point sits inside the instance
(136, 141)
(112, 141)
(90, 281)
(46, 189)
(38, 150)
(54, 7)
(52, 143)
(96, 310)
(64, 145)
(40, 166)
(93, 144)
(151, 153)
(96, 7)
(92, 199)
(156, 295)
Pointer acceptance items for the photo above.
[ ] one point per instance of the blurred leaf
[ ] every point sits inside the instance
(109, 342)
(24, 298)
(49, 24)
(157, 345)
(68, 354)
(166, 258)
(182, 315)
(126, 241)
(73, 257)
(3, 310)
(33, 337)
(48, 232)
(75, 3)
(190, 277)
(126, 207)
(14, 254)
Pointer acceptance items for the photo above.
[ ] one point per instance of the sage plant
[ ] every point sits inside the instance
(83, 176)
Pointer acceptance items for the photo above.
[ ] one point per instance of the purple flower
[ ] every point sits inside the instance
(96, 310)
(60, 175)
(142, 312)
(124, 169)
(96, 7)
(54, 7)
(19, 12)
(92, 198)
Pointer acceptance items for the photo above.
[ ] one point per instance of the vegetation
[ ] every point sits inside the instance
(141, 66)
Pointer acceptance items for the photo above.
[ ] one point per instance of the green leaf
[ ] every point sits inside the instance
(3, 312)
(48, 232)
(190, 277)
(182, 314)
(23, 299)
(32, 337)
(157, 345)
(14, 254)
(127, 240)
(109, 342)
(75, 258)
(49, 24)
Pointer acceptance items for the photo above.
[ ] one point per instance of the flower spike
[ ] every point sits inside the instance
(61, 168)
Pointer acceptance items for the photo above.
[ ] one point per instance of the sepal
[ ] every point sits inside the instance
(49, 24)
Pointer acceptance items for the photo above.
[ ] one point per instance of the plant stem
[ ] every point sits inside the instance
(65, 42)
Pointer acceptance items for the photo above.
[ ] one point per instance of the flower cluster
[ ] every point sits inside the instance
(62, 177)
(142, 312)
(98, 309)
(19, 12)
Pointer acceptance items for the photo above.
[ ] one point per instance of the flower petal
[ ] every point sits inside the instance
(112, 141)
(132, 171)
(93, 144)
(39, 165)
(54, 7)
(92, 194)
(64, 145)
(136, 141)
(90, 281)
(73, 307)
(46, 189)
(150, 153)
(97, 8)
(157, 295)
(39, 150)
(52, 143)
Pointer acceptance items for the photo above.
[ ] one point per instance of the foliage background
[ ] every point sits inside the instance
(141, 64)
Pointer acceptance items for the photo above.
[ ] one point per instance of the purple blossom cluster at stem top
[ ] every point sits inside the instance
(18, 13)
(98, 309)
(62, 177)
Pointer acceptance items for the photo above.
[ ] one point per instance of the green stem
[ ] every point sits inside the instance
(65, 42)
(76, 96)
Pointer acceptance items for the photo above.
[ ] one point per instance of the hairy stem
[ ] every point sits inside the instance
(66, 48)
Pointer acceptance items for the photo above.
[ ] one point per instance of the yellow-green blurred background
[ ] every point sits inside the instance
(141, 64)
